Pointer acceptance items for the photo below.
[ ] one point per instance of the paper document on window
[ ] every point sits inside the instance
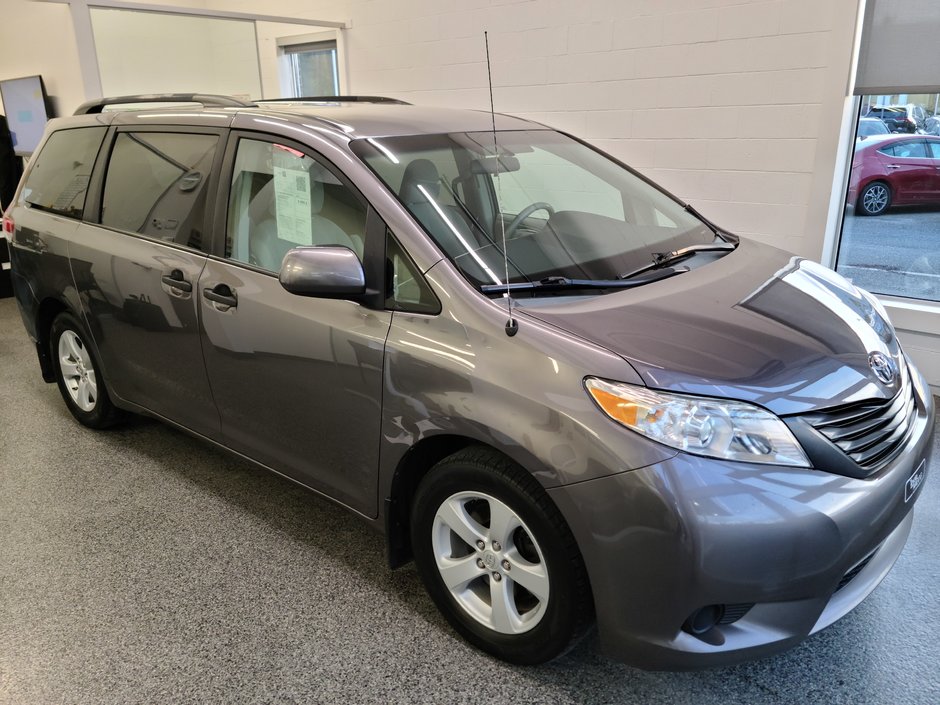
(292, 205)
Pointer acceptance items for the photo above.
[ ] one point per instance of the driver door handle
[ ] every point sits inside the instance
(221, 294)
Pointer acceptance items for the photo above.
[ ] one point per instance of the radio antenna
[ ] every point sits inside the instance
(512, 327)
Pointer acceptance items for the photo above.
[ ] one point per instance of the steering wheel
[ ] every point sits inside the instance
(526, 212)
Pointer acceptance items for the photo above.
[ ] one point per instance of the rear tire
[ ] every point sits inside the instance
(78, 374)
(874, 199)
(498, 559)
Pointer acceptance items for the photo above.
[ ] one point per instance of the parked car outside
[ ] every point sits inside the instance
(900, 118)
(932, 125)
(869, 127)
(894, 171)
(564, 393)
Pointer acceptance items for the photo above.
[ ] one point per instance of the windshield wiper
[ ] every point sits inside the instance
(559, 283)
(663, 259)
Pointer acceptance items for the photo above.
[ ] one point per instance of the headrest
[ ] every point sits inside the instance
(421, 172)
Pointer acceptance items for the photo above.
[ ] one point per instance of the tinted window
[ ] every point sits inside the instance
(281, 199)
(156, 185)
(61, 171)
(934, 149)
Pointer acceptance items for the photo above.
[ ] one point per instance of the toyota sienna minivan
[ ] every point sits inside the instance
(567, 396)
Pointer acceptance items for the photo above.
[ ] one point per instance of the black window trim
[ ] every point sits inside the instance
(95, 195)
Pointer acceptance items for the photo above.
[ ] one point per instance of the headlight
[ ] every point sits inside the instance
(716, 428)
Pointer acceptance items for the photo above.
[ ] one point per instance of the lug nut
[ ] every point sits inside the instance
(481, 545)
(497, 577)
(506, 565)
(496, 546)
(480, 563)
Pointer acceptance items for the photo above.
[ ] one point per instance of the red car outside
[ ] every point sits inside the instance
(893, 171)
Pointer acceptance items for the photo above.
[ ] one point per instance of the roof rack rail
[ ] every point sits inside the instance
(337, 99)
(205, 99)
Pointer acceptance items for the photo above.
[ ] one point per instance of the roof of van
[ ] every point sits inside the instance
(381, 120)
(352, 119)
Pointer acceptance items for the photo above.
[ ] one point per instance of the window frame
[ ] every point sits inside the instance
(95, 198)
(284, 45)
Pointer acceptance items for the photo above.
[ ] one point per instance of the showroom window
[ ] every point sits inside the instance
(156, 185)
(313, 68)
(891, 213)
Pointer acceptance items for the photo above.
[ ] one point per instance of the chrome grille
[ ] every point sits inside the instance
(872, 432)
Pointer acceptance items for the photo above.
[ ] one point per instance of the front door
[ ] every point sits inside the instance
(297, 380)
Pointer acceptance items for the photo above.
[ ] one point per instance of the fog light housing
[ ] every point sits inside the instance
(703, 620)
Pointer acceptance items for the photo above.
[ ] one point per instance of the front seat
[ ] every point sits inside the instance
(420, 191)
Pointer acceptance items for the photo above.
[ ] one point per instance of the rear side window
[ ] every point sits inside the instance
(156, 185)
(909, 150)
(61, 171)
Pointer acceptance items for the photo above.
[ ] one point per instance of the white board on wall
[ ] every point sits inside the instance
(147, 52)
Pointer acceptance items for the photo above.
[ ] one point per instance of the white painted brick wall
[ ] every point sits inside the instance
(732, 105)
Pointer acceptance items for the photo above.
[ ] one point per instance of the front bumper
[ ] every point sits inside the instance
(664, 541)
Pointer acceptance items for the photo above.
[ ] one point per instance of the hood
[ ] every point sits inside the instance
(758, 325)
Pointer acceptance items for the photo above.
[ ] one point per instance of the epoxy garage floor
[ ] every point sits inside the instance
(141, 566)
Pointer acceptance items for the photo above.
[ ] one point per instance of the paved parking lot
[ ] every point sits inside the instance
(896, 253)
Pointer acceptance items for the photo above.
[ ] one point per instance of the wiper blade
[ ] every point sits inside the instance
(560, 283)
(663, 259)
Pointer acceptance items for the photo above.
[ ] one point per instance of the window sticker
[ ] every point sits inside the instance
(292, 199)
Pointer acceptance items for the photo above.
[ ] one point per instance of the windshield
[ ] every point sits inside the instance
(564, 209)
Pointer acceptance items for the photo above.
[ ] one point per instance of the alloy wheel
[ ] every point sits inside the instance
(490, 562)
(78, 371)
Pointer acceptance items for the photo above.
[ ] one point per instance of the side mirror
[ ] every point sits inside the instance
(326, 272)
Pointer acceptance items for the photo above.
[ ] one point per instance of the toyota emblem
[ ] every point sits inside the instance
(883, 367)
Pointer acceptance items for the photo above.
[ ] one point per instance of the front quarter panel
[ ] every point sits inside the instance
(458, 373)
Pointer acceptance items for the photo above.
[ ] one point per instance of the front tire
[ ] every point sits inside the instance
(874, 199)
(498, 559)
(78, 374)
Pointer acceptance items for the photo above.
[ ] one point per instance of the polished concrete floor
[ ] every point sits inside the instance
(141, 566)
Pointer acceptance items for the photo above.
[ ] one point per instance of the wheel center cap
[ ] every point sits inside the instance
(490, 560)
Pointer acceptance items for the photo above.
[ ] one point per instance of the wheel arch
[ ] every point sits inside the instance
(48, 309)
(416, 462)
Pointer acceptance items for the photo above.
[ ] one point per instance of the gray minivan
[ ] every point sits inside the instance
(563, 393)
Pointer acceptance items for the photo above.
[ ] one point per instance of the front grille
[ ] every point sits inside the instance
(732, 613)
(871, 432)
